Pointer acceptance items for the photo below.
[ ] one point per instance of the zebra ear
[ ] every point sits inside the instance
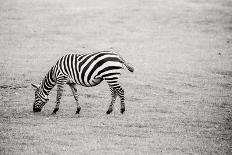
(35, 86)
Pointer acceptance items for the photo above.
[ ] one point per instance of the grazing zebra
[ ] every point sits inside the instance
(84, 69)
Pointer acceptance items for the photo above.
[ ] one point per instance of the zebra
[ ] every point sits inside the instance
(86, 70)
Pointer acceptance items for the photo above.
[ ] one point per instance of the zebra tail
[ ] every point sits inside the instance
(128, 66)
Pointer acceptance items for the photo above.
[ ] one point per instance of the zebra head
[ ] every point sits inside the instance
(40, 100)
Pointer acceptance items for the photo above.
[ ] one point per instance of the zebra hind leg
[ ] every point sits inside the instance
(113, 95)
(120, 92)
(75, 95)
(116, 90)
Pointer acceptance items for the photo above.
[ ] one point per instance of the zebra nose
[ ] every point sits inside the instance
(36, 109)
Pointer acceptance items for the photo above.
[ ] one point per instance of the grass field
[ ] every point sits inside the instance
(178, 100)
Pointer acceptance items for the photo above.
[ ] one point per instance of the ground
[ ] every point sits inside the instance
(178, 100)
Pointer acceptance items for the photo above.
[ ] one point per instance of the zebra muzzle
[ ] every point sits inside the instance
(36, 109)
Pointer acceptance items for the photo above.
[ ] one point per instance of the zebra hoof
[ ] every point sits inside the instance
(78, 110)
(122, 111)
(109, 111)
(54, 111)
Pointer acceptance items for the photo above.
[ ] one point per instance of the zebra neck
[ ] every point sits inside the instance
(48, 82)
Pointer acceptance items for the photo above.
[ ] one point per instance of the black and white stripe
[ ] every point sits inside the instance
(83, 69)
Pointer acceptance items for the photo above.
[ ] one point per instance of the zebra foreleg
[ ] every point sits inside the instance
(58, 97)
(111, 106)
(75, 95)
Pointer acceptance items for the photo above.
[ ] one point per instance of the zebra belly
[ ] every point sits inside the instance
(91, 83)
(95, 82)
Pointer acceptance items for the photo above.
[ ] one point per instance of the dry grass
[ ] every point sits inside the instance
(178, 100)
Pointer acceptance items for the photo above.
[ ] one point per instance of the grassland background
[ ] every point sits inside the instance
(178, 100)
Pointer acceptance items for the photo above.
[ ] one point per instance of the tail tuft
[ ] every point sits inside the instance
(130, 68)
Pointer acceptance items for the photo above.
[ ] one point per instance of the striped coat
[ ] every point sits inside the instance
(82, 69)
